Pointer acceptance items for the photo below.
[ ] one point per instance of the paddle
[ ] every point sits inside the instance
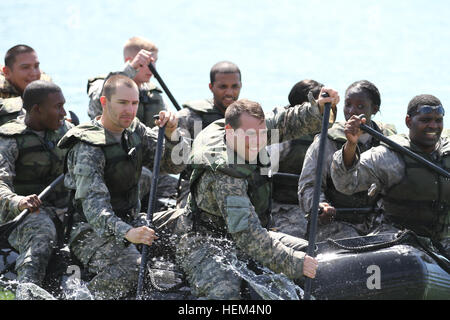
(74, 118)
(8, 227)
(166, 90)
(316, 195)
(404, 150)
(151, 207)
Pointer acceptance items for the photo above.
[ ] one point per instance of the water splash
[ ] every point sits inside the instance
(31, 291)
(266, 283)
(75, 289)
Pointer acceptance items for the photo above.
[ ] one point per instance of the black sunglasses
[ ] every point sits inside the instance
(426, 109)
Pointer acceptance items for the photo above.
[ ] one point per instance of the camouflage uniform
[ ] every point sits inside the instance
(413, 197)
(11, 100)
(104, 179)
(194, 117)
(150, 104)
(229, 208)
(29, 161)
(349, 225)
(11, 108)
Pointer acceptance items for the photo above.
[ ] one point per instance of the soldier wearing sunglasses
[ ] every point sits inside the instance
(414, 197)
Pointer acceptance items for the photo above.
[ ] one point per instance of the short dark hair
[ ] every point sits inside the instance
(223, 67)
(113, 80)
(299, 92)
(12, 53)
(421, 100)
(369, 88)
(237, 108)
(36, 92)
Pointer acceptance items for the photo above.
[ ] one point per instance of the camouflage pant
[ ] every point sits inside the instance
(34, 239)
(167, 185)
(342, 229)
(335, 230)
(116, 266)
(209, 264)
(288, 218)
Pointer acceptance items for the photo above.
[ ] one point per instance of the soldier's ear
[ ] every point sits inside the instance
(210, 86)
(35, 109)
(408, 121)
(7, 72)
(103, 101)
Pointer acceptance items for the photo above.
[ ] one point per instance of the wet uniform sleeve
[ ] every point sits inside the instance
(294, 122)
(307, 178)
(378, 165)
(244, 226)
(86, 165)
(9, 200)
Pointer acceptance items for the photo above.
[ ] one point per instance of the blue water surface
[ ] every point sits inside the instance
(401, 46)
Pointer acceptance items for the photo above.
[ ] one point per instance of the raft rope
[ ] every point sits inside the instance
(158, 288)
(443, 261)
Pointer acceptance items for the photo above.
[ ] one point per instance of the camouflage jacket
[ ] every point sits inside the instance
(7, 90)
(85, 175)
(150, 99)
(308, 175)
(10, 108)
(24, 149)
(226, 201)
(417, 197)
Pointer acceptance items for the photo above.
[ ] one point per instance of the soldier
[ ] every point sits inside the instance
(30, 160)
(230, 199)
(138, 53)
(225, 85)
(287, 216)
(104, 164)
(21, 68)
(413, 196)
(361, 97)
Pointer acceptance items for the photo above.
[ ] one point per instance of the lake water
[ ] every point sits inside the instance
(403, 46)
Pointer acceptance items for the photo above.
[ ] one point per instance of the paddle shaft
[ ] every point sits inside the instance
(151, 208)
(166, 90)
(405, 151)
(316, 195)
(8, 227)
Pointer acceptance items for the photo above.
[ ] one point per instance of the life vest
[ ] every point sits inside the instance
(206, 110)
(359, 199)
(421, 201)
(39, 162)
(10, 108)
(122, 165)
(210, 153)
(7, 90)
(150, 104)
(285, 187)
